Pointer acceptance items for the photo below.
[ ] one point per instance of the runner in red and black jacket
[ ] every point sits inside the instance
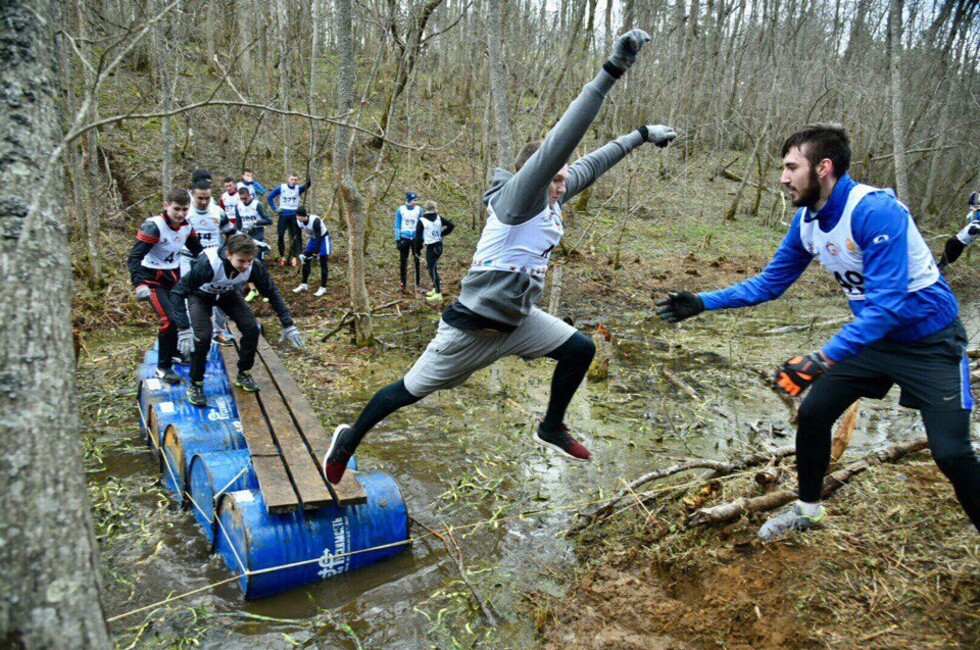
(154, 267)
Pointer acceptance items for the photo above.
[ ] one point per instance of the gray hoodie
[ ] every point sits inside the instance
(505, 296)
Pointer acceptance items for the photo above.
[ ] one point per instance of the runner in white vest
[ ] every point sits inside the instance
(495, 315)
(229, 199)
(956, 244)
(906, 329)
(320, 245)
(288, 196)
(431, 229)
(406, 221)
(154, 268)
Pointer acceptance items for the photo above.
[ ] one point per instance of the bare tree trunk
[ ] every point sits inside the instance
(283, 79)
(91, 184)
(498, 88)
(898, 102)
(48, 554)
(311, 164)
(351, 202)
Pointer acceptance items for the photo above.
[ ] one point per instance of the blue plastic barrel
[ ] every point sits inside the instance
(186, 437)
(264, 541)
(221, 471)
(214, 471)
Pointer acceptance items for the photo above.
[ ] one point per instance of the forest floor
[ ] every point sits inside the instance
(896, 565)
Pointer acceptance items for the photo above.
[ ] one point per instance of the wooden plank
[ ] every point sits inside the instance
(260, 441)
(270, 470)
(274, 484)
(307, 480)
(348, 491)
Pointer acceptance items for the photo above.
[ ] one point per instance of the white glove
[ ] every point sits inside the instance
(292, 335)
(302, 259)
(626, 48)
(185, 342)
(143, 292)
(658, 134)
(262, 245)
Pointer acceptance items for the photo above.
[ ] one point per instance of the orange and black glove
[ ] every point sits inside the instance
(799, 372)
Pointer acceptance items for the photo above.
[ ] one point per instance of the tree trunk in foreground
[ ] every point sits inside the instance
(350, 198)
(48, 561)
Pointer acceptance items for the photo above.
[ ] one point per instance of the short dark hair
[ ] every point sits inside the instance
(241, 244)
(301, 211)
(529, 150)
(200, 173)
(819, 141)
(201, 184)
(178, 196)
(228, 179)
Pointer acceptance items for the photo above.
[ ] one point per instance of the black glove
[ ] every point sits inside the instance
(679, 306)
(799, 372)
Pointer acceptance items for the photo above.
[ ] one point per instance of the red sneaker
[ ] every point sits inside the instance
(282, 261)
(562, 442)
(335, 460)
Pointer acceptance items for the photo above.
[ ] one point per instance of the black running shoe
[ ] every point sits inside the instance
(245, 382)
(195, 394)
(168, 376)
(335, 461)
(177, 358)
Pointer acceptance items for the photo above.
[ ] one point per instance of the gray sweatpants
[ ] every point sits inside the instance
(455, 354)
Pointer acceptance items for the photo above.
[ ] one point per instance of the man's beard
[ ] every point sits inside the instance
(809, 195)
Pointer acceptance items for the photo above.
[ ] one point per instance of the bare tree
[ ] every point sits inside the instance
(898, 101)
(498, 86)
(351, 202)
(48, 564)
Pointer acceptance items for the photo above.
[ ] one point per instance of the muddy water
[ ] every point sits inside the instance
(460, 458)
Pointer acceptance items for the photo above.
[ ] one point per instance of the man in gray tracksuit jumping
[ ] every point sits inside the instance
(495, 315)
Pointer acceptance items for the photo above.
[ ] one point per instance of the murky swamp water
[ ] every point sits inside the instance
(460, 457)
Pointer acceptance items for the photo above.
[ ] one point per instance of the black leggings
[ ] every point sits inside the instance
(162, 304)
(948, 433)
(406, 247)
(288, 222)
(324, 269)
(432, 254)
(574, 357)
(233, 303)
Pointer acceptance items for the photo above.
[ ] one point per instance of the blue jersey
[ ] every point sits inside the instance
(886, 307)
(406, 221)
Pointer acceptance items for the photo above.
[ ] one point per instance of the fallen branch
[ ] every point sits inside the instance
(456, 553)
(680, 383)
(729, 511)
(348, 318)
(842, 437)
(718, 467)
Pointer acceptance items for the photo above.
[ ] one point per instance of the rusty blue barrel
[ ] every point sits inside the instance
(185, 437)
(213, 472)
(316, 544)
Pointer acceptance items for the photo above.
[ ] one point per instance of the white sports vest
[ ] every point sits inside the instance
(523, 248)
(410, 219)
(840, 254)
(315, 225)
(230, 200)
(248, 214)
(207, 225)
(431, 230)
(288, 197)
(221, 283)
(163, 255)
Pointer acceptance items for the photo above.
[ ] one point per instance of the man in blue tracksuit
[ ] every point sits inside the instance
(288, 195)
(406, 222)
(905, 331)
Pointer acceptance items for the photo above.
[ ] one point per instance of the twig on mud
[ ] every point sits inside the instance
(718, 467)
(456, 553)
(809, 326)
(680, 383)
(729, 511)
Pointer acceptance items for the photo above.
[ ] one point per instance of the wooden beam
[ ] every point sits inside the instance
(307, 480)
(270, 471)
(349, 491)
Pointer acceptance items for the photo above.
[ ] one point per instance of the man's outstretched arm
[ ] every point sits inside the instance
(526, 193)
(587, 169)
